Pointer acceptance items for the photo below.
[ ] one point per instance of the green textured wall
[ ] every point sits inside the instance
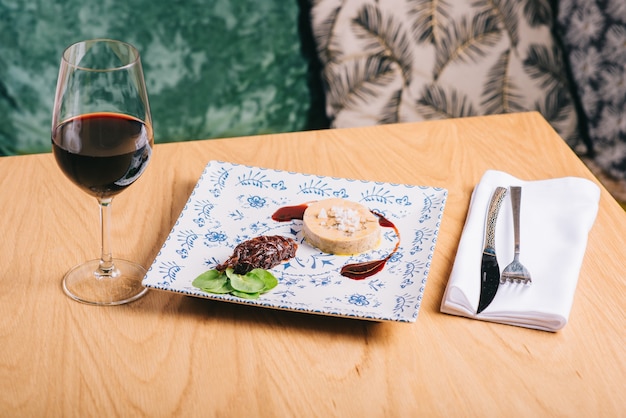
(213, 68)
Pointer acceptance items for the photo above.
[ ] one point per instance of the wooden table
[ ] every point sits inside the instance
(171, 355)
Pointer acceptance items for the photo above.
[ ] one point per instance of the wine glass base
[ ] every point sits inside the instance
(123, 285)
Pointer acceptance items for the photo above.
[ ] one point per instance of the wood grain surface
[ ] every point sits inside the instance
(171, 355)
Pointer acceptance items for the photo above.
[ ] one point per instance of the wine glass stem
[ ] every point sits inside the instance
(106, 267)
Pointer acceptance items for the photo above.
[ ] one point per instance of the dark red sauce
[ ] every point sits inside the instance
(289, 213)
(360, 271)
(354, 271)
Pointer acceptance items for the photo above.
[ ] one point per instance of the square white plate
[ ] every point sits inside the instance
(232, 203)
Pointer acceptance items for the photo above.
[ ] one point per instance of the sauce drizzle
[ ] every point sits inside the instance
(354, 271)
(360, 271)
(289, 213)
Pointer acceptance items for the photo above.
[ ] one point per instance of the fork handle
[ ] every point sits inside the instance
(516, 198)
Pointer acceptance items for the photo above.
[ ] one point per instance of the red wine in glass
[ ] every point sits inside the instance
(102, 153)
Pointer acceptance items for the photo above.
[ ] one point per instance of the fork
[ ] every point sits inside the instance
(516, 272)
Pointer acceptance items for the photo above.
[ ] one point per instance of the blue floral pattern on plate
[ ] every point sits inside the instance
(232, 203)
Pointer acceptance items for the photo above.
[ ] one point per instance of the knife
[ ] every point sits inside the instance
(489, 271)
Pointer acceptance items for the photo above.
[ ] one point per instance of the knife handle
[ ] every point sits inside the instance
(492, 216)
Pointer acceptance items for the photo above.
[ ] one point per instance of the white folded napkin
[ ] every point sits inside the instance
(556, 216)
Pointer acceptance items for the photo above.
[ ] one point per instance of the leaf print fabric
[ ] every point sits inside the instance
(411, 60)
(594, 34)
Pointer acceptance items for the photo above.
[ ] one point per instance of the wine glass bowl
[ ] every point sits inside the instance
(102, 140)
(102, 153)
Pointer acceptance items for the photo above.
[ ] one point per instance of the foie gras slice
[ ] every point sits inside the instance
(339, 226)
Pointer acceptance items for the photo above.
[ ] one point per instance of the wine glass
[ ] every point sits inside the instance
(102, 140)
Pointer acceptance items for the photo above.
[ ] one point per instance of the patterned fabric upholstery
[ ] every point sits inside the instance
(594, 35)
(410, 60)
(213, 68)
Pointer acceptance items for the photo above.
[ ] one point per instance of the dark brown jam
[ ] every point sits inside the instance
(262, 252)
